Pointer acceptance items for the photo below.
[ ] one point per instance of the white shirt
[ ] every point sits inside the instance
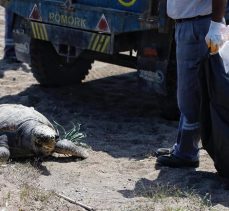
(179, 9)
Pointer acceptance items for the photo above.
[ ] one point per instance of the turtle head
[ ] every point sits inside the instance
(44, 139)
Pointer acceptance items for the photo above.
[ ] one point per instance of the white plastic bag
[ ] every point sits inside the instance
(224, 49)
(224, 53)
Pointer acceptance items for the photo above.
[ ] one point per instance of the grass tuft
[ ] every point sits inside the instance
(31, 193)
(165, 197)
(74, 135)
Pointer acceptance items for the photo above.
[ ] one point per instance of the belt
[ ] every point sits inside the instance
(193, 18)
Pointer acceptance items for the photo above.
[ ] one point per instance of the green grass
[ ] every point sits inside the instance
(74, 135)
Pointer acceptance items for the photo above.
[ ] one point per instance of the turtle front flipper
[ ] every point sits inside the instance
(4, 148)
(69, 148)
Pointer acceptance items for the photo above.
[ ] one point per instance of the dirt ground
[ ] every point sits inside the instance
(123, 129)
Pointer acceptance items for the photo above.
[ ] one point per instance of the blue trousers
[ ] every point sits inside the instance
(9, 44)
(190, 50)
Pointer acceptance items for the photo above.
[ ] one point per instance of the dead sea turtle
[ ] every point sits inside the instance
(24, 132)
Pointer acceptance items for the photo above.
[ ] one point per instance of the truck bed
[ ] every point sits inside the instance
(138, 6)
(120, 15)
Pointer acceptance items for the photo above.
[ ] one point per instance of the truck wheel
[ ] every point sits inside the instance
(50, 69)
(168, 104)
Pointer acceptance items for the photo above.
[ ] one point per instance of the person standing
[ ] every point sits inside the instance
(197, 29)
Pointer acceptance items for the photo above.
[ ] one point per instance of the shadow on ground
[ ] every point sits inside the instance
(114, 113)
(180, 183)
(39, 163)
(4, 66)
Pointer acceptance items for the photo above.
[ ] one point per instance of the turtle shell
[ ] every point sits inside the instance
(12, 116)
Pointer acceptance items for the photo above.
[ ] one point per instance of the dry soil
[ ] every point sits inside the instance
(123, 128)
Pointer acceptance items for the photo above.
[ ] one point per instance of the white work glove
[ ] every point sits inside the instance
(214, 37)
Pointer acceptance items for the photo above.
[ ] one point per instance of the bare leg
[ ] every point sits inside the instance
(67, 147)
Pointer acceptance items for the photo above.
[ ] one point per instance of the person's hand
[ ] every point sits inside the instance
(214, 37)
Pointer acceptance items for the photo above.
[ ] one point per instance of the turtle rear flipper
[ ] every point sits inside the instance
(4, 148)
(69, 148)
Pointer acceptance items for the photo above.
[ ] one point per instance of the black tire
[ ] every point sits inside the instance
(50, 69)
(168, 104)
